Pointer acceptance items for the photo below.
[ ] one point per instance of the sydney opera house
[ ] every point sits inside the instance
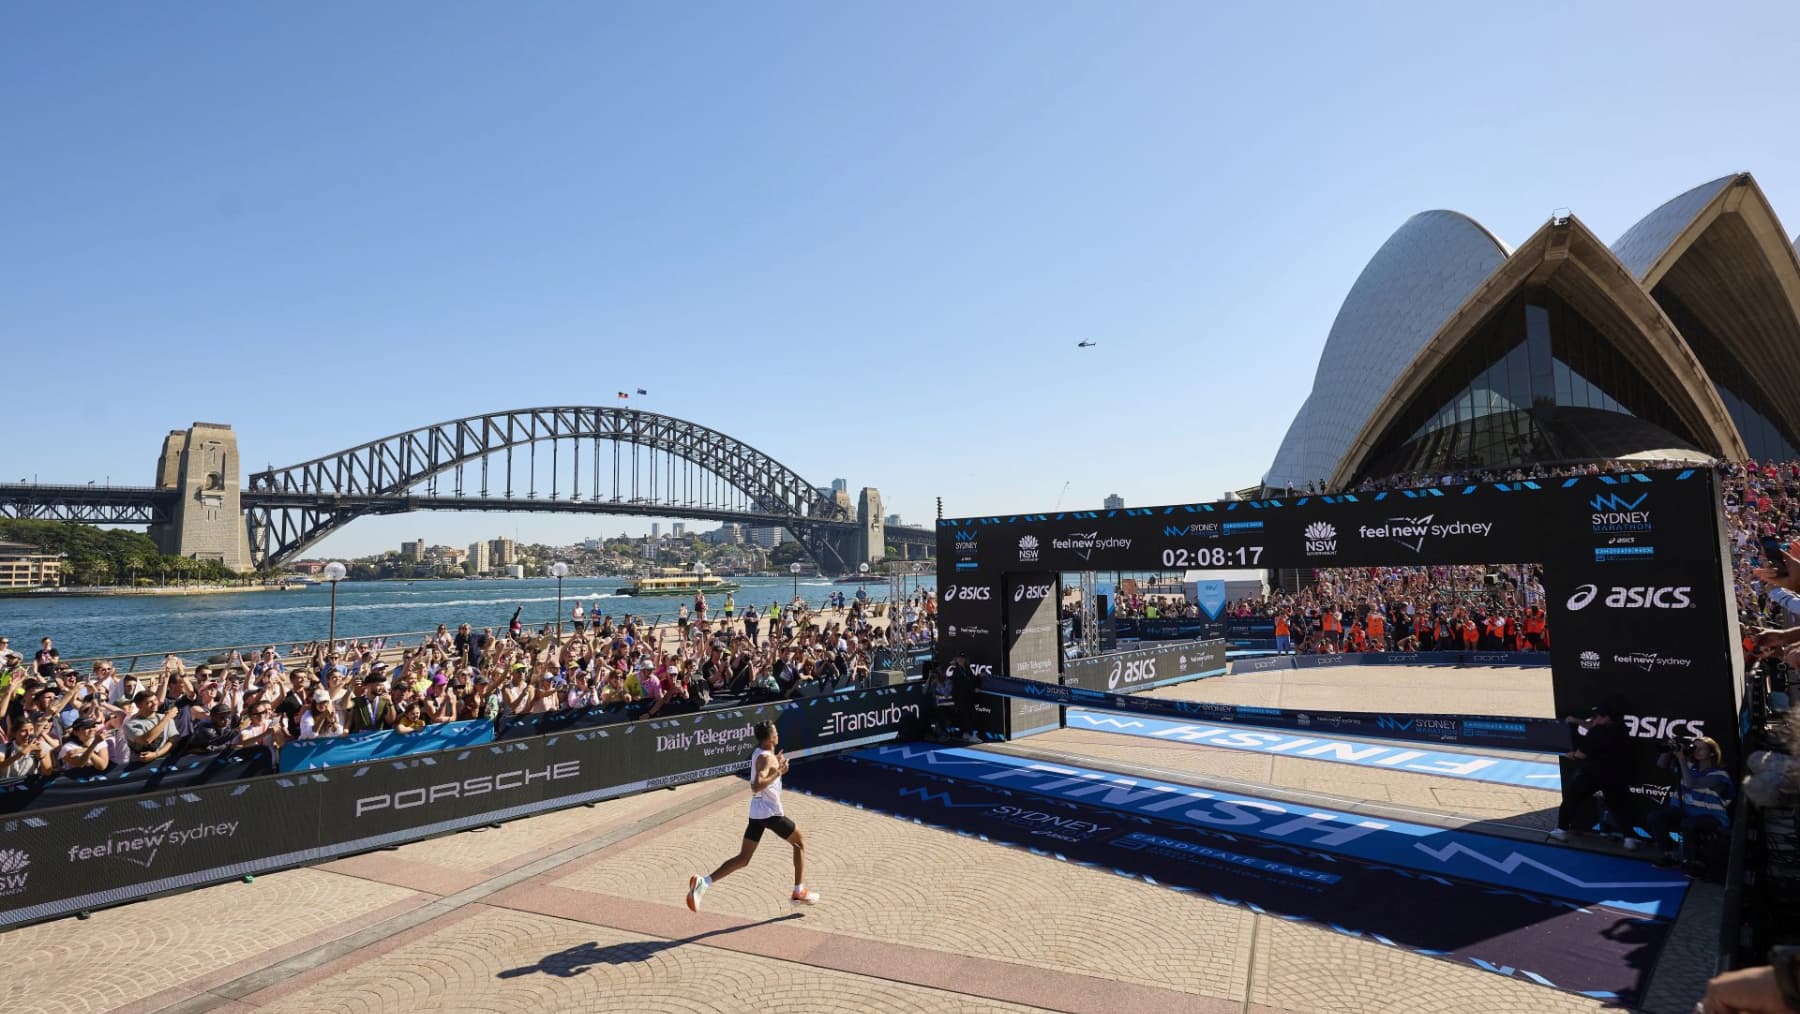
(1453, 353)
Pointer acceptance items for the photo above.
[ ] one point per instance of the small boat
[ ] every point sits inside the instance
(685, 584)
(861, 579)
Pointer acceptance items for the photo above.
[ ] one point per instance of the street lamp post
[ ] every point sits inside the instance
(334, 572)
(559, 570)
(794, 569)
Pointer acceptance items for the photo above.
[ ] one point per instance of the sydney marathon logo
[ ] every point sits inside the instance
(1211, 529)
(1614, 513)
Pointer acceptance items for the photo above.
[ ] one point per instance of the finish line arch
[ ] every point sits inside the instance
(1658, 589)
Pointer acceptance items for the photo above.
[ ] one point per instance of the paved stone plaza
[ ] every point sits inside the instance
(583, 910)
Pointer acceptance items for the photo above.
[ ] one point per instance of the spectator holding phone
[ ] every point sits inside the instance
(85, 751)
(151, 727)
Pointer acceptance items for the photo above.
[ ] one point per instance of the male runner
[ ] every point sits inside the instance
(766, 768)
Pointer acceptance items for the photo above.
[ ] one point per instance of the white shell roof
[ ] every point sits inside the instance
(1412, 285)
(1644, 242)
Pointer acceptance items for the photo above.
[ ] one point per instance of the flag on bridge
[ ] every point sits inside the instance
(622, 394)
(642, 391)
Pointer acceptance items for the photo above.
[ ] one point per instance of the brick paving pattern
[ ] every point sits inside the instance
(512, 961)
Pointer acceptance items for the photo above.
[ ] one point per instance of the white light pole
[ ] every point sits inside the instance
(794, 569)
(334, 572)
(559, 570)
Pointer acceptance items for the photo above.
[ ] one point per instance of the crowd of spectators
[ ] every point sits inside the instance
(59, 720)
(1446, 608)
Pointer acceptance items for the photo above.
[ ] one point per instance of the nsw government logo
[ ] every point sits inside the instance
(1590, 660)
(13, 871)
(1028, 548)
(1321, 539)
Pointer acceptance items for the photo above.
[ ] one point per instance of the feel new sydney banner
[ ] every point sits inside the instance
(72, 858)
(1636, 577)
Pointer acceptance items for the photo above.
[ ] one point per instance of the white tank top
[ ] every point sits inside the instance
(766, 803)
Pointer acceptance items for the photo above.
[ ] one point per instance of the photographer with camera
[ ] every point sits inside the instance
(1699, 803)
(1604, 755)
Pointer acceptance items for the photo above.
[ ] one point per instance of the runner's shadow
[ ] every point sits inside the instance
(576, 960)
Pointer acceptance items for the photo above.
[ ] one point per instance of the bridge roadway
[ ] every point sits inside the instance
(582, 910)
(143, 505)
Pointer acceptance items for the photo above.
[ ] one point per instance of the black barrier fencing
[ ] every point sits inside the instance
(73, 858)
(1636, 578)
(181, 772)
(1504, 732)
(1135, 670)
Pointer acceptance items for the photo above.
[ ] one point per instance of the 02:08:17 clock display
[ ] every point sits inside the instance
(1213, 556)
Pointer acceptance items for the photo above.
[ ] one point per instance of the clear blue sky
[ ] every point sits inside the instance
(863, 238)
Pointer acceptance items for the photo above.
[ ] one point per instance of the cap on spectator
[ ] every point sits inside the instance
(221, 709)
(479, 678)
(320, 697)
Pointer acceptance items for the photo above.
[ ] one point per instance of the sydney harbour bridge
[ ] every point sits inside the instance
(569, 459)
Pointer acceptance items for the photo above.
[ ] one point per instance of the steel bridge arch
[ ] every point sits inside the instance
(332, 486)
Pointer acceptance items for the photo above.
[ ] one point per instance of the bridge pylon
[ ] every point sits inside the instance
(201, 466)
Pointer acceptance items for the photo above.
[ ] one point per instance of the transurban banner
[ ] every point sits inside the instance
(73, 858)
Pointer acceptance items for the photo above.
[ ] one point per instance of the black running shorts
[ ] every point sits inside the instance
(780, 825)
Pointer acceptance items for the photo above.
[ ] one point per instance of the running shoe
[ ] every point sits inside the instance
(804, 896)
(1560, 834)
(696, 891)
(1633, 844)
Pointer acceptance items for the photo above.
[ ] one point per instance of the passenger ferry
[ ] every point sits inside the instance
(683, 584)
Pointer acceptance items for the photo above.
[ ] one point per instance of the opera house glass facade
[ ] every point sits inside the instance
(1453, 353)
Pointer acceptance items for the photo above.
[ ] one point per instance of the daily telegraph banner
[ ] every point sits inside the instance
(1639, 602)
(1127, 672)
(1540, 734)
(71, 858)
(1034, 648)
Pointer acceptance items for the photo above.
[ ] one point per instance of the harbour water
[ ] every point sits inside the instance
(85, 627)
